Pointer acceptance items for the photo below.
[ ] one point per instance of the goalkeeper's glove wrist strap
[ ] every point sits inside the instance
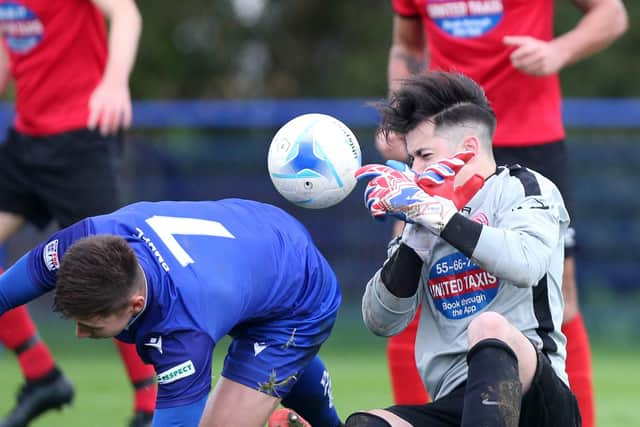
(401, 273)
(462, 233)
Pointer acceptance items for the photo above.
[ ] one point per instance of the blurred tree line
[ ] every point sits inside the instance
(305, 48)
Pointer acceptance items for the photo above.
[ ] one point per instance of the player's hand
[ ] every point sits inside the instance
(394, 193)
(391, 147)
(110, 108)
(438, 180)
(535, 57)
(388, 186)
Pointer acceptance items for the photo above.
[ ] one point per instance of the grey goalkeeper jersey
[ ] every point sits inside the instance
(515, 270)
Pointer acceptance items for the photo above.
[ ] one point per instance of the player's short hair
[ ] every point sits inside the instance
(445, 99)
(96, 277)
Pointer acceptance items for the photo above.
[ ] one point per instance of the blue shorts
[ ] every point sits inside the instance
(270, 356)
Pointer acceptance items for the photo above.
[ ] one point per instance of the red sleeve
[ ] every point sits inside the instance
(405, 8)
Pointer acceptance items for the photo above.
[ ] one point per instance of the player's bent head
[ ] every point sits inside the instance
(97, 277)
(448, 100)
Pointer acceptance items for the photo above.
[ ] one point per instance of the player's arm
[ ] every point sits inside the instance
(391, 297)
(4, 68)
(603, 22)
(35, 273)
(182, 361)
(110, 103)
(187, 415)
(17, 286)
(407, 55)
(520, 246)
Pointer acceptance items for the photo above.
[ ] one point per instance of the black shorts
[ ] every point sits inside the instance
(64, 177)
(548, 403)
(550, 160)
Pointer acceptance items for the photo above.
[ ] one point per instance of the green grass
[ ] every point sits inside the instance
(356, 360)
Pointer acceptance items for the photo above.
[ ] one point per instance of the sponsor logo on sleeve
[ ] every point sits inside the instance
(50, 255)
(459, 287)
(180, 371)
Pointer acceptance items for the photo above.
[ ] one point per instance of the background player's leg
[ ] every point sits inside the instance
(578, 349)
(142, 378)
(18, 333)
(46, 387)
(406, 383)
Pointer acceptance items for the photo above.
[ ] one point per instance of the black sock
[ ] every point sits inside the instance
(47, 378)
(493, 393)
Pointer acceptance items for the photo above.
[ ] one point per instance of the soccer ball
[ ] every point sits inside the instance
(312, 160)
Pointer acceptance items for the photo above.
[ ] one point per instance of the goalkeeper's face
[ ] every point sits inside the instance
(428, 147)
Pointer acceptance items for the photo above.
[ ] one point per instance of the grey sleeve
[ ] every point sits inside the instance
(383, 313)
(519, 247)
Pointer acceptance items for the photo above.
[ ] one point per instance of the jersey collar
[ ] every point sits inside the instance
(146, 299)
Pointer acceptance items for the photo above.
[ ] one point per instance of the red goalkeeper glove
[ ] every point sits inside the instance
(437, 180)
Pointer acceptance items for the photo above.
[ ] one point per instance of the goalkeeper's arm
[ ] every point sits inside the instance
(391, 298)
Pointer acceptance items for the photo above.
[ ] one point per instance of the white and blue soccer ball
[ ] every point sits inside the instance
(312, 161)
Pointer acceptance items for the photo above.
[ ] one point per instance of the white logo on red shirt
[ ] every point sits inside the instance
(465, 18)
(21, 27)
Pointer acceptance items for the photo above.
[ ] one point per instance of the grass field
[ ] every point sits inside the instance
(356, 360)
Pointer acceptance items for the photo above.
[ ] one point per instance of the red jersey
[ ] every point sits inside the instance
(58, 52)
(466, 36)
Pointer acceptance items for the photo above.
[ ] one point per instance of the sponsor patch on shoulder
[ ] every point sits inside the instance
(50, 255)
(177, 372)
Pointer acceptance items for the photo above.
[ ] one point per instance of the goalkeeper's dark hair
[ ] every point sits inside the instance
(443, 98)
(97, 276)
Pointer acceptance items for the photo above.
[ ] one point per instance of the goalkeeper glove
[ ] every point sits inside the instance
(394, 193)
(438, 178)
(428, 199)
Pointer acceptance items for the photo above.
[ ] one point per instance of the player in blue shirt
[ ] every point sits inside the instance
(176, 277)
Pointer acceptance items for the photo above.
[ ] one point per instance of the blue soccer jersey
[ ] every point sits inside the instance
(230, 267)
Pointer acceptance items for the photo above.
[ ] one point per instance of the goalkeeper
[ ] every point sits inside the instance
(482, 251)
(176, 277)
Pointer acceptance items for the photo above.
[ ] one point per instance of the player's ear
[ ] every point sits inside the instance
(471, 143)
(137, 302)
